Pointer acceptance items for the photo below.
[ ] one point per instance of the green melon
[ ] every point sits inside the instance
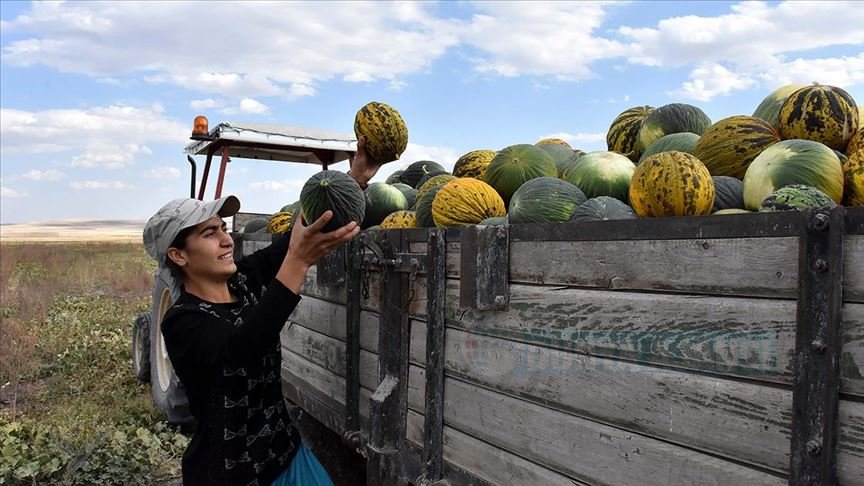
(414, 172)
(409, 192)
(381, 200)
(769, 109)
(796, 197)
(254, 225)
(623, 134)
(290, 208)
(545, 200)
(553, 141)
(731, 144)
(728, 193)
(824, 114)
(494, 221)
(681, 142)
(793, 162)
(564, 156)
(602, 174)
(394, 177)
(602, 208)
(730, 211)
(336, 191)
(672, 118)
(430, 175)
(385, 131)
(516, 165)
(423, 209)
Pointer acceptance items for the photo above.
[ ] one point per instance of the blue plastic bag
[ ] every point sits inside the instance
(305, 470)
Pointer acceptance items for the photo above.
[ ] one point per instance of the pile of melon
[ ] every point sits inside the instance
(801, 148)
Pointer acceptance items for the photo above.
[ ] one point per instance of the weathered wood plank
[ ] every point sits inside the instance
(853, 264)
(490, 463)
(750, 338)
(328, 353)
(577, 447)
(850, 443)
(668, 404)
(329, 318)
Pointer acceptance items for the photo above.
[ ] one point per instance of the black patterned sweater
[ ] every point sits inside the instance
(228, 358)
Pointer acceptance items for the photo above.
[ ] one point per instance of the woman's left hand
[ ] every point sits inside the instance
(362, 168)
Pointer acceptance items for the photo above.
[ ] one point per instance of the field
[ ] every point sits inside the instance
(71, 411)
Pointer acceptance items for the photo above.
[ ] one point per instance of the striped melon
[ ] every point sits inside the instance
(853, 171)
(409, 192)
(400, 219)
(672, 118)
(728, 193)
(856, 143)
(731, 144)
(624, 132)
(494, 221)
(336, 191)
(381, 200)
(545, 200)
(516, 165)
(438, 180)
(394, 177)
(681, 142)
(824, 114)
(385, 131)
(417, 170)
(793, 162)
(602, 208)
(796, 197)
(555, 141)
(473, 164)
(255, 225)
(671, 184)
(465, 201)
(564, 156)
(602, 174)
(423, 208)
(769, 109)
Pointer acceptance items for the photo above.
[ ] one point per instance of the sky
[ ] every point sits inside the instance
(97, 99)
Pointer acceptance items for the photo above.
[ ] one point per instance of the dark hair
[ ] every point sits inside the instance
(179, 243)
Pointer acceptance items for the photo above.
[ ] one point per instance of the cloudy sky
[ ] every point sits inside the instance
(97, 99)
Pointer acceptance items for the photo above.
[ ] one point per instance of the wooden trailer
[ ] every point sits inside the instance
(677, 351)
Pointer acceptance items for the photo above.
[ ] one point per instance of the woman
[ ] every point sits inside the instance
(222, 335)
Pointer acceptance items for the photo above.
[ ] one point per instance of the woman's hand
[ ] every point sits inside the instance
(362, 169)
(308, 245)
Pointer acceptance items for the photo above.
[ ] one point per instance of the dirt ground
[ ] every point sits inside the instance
(69, 230)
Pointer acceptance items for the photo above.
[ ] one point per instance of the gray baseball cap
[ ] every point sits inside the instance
(179, 214)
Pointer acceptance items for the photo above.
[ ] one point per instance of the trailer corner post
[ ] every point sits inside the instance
(388, 405)
(816, 391)
(353, 437)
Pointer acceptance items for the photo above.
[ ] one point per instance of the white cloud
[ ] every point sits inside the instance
(540, 40)
(711, 79)
(10, 193)
(445, 156)
(294, 47)
(750, 46)
(51, 175)
(108, 156)
(248, 105)
(580, 140)
(108, 136)
(205, 104)
(90, 185)
(285, 185)
(164, 172)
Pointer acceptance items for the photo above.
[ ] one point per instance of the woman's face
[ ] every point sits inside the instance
(209, 252)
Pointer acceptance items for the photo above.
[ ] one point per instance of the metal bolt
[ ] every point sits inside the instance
(820, 265)
(819, 346)
(501, 232)
(820, 221)
(705, 245)
(499, 300)
(814, 448)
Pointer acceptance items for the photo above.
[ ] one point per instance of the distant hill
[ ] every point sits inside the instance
(74, 230)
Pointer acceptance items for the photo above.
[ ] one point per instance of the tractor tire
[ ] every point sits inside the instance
(141, 348)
